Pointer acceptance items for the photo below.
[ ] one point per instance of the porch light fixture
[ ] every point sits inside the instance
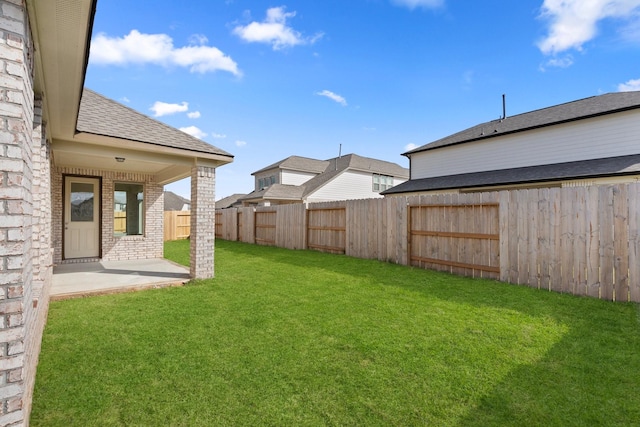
(119, 159)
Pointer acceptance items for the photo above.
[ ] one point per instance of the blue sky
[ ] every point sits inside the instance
(265, 80)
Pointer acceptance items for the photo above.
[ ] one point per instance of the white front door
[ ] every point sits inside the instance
(81, 217)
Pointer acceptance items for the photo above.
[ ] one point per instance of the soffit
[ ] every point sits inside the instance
(61, 31)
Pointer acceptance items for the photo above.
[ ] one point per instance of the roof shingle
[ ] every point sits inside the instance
(102, 116)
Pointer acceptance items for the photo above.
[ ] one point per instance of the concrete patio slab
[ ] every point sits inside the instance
(95, 278)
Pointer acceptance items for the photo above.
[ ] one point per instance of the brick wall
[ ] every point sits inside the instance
(23, 260)
(149, 245)
(203, 221)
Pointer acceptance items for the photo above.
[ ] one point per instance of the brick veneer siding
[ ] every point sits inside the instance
(149, 245)
(203, 221)
(25, 267)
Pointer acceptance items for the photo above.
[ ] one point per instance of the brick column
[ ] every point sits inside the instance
(21, 322)
(203, 221)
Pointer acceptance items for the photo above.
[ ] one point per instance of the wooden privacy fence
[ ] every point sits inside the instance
(177, 225)
(120, 222)
(579, 240)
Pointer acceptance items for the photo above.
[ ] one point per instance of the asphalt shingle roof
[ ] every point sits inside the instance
(277, 192)
(174, 202)
(612, 166)
(102, 116)
(229, 201)
(297, 163)
(581, 109)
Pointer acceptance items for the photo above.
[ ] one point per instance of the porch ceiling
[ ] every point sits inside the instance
(166, 165)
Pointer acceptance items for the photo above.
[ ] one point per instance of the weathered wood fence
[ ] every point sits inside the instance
(579, 240)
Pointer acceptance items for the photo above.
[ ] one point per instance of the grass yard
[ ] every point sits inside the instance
(302, 338)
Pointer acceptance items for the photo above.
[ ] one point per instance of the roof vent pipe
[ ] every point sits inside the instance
(504, 106)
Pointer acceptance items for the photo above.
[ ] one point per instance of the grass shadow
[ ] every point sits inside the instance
(589, 375)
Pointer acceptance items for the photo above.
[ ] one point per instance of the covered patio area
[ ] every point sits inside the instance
(106, 277)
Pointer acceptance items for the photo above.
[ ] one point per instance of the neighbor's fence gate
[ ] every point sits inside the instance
(464, 239)
(579, 240)
(327, 229)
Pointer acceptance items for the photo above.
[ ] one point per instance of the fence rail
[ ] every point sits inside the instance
(578, 240)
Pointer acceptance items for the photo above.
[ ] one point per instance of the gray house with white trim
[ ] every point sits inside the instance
(584, 142)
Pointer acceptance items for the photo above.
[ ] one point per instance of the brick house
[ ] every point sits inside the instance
(82, 178)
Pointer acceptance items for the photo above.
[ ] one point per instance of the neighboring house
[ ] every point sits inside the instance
(173, 202)
(589, 141)
(72, 161)
(304, 180)
(232, 201)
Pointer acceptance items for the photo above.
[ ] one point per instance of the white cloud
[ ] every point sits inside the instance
(629, 86)
(125, 99)
(164, 109)
(631, 32)
(574, 22)
(194, 131)
(274, 31)
(198, 39)
(412, 4)
(410, 146)
(564, 62)
(240, 143)
(158, 49)
(333, 96)
(194, 115)
(218, 135)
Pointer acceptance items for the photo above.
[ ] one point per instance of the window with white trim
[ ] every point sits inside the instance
(266, 182)
(382, 182)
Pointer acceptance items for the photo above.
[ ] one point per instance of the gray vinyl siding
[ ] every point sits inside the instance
(600, 137)
(295, 177)
(346, 186)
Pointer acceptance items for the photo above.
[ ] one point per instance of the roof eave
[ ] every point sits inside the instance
(110, 141)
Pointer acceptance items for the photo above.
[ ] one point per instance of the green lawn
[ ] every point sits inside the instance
(302, 338)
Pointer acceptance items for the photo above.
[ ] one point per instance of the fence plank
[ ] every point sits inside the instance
(593, 242)
(621, 243)
(607, 251)
(505, 262)
(523, 237)
(555, 240)
(532, 213)
(543, 230)
(566, 241)
(634, 242)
